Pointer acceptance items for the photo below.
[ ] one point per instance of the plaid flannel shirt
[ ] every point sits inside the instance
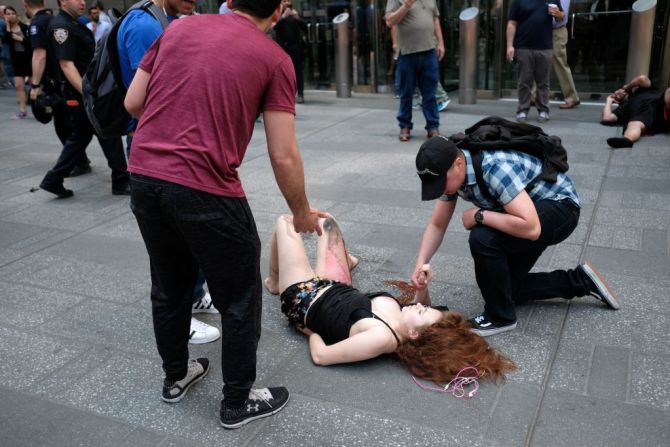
(507, 173)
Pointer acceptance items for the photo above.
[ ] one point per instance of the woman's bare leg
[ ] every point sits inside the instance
(19, 85)
(288, 260)
(332, 259)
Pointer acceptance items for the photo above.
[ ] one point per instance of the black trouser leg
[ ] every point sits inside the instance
(182, 228)
(502, 263)
(116, 160)
(75, 145)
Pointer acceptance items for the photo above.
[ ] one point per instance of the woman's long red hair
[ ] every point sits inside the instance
(446, 347)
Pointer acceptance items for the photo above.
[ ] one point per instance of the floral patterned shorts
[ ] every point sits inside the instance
(295, 300)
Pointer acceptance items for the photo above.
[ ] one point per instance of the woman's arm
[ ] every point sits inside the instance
(365, 345)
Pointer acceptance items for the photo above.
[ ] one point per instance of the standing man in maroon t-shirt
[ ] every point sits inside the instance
(197, 96)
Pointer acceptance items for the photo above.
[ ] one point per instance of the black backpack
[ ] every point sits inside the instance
(102, 85)
(495, 133)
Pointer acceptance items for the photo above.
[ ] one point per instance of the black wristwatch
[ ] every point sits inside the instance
(479, 216)
(35, 86)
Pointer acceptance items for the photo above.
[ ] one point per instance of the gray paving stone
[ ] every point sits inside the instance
(627, 238)
(28, 421)
(590, 323)
(648, 380)
(305, 420)
(365, 382)
(636, 184)
(640, 294)
(655, 241)
(510, 419)
(134, 398)
(126, 328)
(649, 265)
(530, 353)
(609, 373)
(28, 356)
(95, 280)
(13, 233)
(570, 370)
(31, 306)
(568, 419)
(142, 438)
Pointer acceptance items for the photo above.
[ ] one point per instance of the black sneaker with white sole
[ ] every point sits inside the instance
(481, 325)
(175, 390)
(598, 287)
(261, 403)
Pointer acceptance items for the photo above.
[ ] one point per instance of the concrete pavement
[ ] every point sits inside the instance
(78, 360)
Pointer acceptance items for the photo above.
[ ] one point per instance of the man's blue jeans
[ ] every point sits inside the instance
(503, 263)
(421, 68)
(184, 230)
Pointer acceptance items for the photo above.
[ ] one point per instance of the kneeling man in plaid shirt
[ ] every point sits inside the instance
(510, 227)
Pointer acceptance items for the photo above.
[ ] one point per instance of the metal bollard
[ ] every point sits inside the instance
(342, 56)
(641, 34)
(467, 73)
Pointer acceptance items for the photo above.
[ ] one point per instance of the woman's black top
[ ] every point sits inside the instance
(337, 309)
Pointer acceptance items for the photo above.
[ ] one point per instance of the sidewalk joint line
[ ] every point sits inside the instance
(557, 344)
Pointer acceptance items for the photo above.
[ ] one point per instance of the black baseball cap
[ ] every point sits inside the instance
(433, 160)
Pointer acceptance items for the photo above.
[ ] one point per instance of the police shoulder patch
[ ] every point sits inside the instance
(60, 35)
(33, 30)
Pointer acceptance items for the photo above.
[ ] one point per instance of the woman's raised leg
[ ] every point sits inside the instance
(288, 259)
(332, 259)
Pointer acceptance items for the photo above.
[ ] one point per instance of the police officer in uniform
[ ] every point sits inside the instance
(73, 46)
(44, 75)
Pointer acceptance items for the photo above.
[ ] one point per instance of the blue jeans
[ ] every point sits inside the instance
(185, 230)
(421, 68)
(503, 263)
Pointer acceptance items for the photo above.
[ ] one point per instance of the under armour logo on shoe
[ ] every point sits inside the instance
(255, 408)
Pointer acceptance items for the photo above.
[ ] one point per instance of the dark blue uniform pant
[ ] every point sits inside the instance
(81, 134)
(503, 263)
(184, 230)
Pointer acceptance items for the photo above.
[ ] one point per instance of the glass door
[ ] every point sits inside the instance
(320, 63)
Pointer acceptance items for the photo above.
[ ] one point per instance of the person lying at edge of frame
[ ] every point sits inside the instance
(642, 110)
(345, 325)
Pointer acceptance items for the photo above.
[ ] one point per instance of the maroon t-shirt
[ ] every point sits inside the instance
(211, 76)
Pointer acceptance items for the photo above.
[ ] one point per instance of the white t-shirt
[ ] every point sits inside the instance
(100, 29)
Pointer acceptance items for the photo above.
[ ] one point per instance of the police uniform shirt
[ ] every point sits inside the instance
(39, 24)
(38, 33)
(72, 41)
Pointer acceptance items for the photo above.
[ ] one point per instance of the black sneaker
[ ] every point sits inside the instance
(598, 287)
(61, 191)
(174, 391)
(261, 403)
(482, 326)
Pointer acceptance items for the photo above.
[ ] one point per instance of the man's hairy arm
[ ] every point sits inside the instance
(288, 168)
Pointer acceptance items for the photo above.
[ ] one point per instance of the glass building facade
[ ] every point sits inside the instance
(599, 33)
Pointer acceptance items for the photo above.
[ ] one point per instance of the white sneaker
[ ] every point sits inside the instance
(543, 117)
(521, 117)
(202, 332)
(204, 305)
